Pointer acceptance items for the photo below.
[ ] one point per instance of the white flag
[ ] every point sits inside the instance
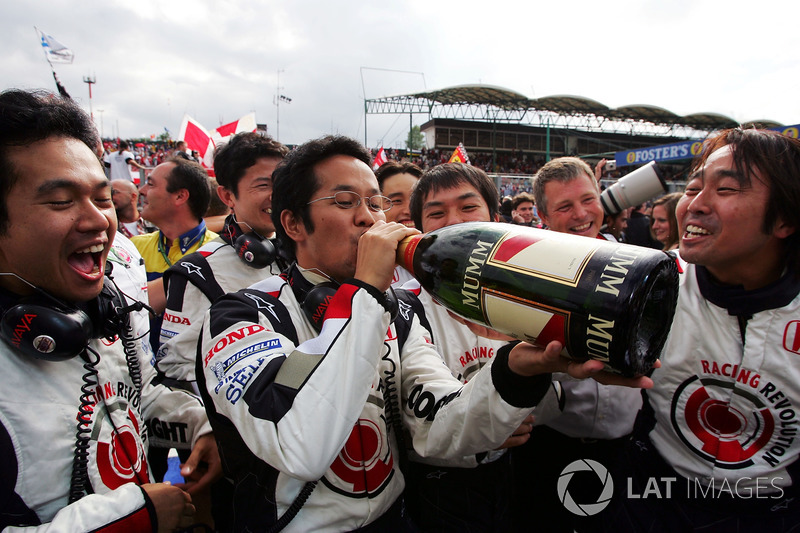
(54, 51)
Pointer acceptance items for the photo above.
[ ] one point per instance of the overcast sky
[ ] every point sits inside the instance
(154, 61)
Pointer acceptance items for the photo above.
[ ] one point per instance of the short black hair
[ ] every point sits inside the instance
(232, 159)
(294, 181)
(27, 117)
(393, 168)
(449, 176)
(194, 178)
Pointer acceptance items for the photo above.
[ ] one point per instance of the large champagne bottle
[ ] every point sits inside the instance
(602, 300)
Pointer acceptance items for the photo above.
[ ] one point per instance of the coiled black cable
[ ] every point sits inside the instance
(135, 372)
(79, 480)
(390, 398)
(293, 509)
(78, 484)
(132, 360)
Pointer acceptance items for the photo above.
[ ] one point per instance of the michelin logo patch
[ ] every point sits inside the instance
(234, 383)
(167, 333)
(271, 344)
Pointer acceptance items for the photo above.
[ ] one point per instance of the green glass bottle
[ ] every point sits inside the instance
(602, 300)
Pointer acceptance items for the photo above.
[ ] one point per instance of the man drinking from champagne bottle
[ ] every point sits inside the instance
(312, 417)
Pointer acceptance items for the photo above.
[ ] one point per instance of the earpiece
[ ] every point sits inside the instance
(41, 330)
(255, 251)
(316, 302)
(44, 327)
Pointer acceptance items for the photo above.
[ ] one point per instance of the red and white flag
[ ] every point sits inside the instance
(222, 134)
(379, 159)
(197, 138)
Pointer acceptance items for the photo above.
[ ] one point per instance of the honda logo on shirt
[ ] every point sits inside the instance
(791, 336)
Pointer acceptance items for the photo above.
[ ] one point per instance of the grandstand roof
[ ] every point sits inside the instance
(650, 113)
(764, 123)
(569, 105)
(709, 120)
(492, 103)
(476, 94)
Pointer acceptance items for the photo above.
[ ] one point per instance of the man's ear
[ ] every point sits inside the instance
(543, 218)
(227, 196)
(181, 196)
(293, 226)
(782, 230)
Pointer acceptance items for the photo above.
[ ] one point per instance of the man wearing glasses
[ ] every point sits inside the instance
(316, 422)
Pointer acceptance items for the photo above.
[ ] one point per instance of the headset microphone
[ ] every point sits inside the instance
(42, 326)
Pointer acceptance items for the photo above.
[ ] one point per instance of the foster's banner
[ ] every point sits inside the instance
(679, 150)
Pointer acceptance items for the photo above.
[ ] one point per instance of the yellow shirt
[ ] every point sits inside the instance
(159, 255)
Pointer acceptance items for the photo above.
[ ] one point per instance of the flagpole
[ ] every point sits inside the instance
(46, 57)
(90, 80)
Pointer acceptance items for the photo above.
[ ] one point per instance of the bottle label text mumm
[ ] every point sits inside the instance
(602, 300)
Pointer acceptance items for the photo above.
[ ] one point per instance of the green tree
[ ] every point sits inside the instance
(416, 139)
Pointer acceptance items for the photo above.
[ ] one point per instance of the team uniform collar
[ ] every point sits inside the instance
(740, 302)
(302, 280)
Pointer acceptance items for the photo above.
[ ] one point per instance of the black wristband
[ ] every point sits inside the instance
(519, 391)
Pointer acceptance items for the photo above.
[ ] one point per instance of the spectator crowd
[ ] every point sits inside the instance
(258, 324)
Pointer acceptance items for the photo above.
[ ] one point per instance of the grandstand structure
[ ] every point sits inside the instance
(494, 120)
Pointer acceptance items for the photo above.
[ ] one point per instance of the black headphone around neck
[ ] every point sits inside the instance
(315, 302)
(44, 327)
(254, 250)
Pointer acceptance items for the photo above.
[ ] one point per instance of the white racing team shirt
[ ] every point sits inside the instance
(291, 405)
(192, 284)
(39, 403)
(725, 404)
